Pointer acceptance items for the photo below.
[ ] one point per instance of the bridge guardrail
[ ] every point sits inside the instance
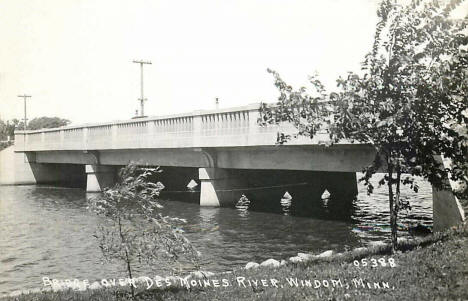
(214, 128)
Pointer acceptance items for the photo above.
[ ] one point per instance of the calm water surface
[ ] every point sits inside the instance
(47, 231)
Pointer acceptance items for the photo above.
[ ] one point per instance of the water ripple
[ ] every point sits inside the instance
(46, 231)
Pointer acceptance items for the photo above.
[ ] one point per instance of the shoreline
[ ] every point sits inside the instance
(315, 274)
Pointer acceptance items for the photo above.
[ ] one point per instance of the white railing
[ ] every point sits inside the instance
(231, 127)
(216, 128)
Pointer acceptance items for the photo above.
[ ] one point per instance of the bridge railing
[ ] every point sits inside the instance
(215, 128)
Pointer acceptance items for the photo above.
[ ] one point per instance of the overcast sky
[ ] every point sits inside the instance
(75, 57)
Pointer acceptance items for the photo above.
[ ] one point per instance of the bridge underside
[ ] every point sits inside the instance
(347, 158)
(220, 176)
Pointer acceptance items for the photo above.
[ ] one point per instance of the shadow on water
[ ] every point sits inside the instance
(317, 208)
(232, 237)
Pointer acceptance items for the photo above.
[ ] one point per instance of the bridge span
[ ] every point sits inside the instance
(224, 150)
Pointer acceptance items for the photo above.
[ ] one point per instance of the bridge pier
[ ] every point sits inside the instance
(99, 177)
(218, 186)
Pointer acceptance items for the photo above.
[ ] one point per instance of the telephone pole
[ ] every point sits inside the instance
(25, 97)
(142, 99)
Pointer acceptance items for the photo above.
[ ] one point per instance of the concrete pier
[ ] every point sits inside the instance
(219, 186)
(99, 177)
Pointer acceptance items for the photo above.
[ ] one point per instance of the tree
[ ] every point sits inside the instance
(8, 129)
(11, 126)
(135, 229)
(410, 103)
(3, 130)
(47, 122)
(6, 134)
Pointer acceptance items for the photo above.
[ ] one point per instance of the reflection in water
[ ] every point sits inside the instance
(47, 231)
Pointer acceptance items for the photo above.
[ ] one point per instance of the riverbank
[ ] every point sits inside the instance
(437, 267)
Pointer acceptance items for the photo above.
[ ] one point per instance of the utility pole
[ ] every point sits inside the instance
(25, 97)
(142, 99)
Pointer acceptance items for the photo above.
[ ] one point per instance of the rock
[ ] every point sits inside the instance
(378, 243)
(296, 259)
(359, 250)
(16, 294)
(201, 274)
(325, 254)
(305, 256)
(95, 285)
(402, 240)
(270, 263)
(251, 265)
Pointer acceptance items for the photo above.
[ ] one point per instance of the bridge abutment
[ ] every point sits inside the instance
(447, 211)
(99, 177)
(18, 168)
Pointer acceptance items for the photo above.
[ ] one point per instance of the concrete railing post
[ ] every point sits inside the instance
(114, 143)
(62, 140)
(85, 138)
(197, 129)
(150, 132)
(253, 124)
(42, 140)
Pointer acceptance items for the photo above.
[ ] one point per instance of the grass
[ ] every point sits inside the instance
(433, 268)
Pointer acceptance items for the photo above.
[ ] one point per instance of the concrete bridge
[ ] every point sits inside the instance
(225, 151)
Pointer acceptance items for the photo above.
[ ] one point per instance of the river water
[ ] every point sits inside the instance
(47, 232)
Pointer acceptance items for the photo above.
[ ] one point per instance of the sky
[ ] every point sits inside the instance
(74, 57)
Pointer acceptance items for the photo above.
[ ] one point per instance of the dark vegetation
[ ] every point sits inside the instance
(8, 128)
(409, 102)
